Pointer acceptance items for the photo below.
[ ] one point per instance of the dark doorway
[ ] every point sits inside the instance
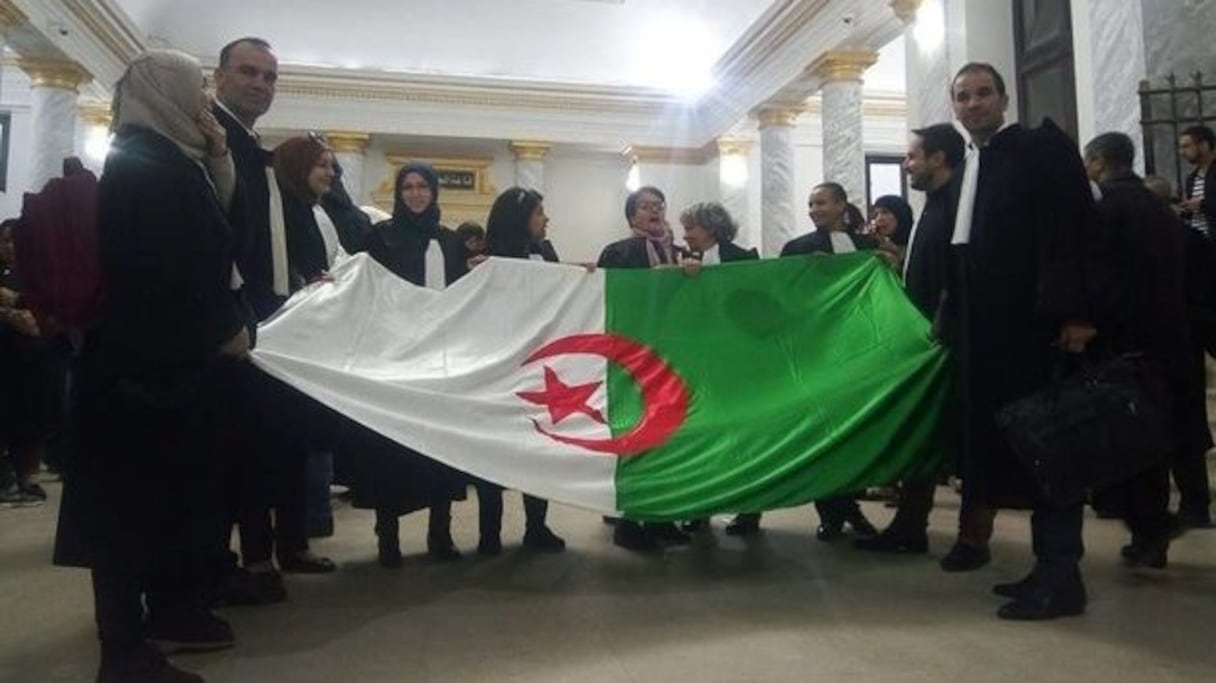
(1043, 52)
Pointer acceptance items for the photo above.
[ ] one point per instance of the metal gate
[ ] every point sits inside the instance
(1165, 111)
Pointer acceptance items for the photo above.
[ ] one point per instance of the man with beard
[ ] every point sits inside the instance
(1197, 145)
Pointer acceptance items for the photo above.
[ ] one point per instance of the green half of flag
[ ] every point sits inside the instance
(806, 378)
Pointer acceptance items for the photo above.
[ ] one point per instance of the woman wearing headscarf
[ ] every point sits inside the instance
(516, 229)
(390, 478)
(891, 220)
(158, 374)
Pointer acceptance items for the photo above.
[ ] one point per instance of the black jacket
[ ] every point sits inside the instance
(729, 252)
(251, 211)
(627, 253)
(403, 251)
(820, 242)
(927, 265)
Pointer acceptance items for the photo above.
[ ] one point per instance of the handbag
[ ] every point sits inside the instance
(1091, 428)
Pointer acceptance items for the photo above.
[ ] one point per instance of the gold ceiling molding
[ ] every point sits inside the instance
(786, 19)
(681, 156)
(770, 116)
(108, 25)
(10, 16)
(94, 114)
(906, 9)
(348, 142)
(834, 66)
(54, 73)
(729, 145)
(530, 151)
(871, 107)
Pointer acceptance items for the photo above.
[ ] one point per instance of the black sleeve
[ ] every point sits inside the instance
(611, 257)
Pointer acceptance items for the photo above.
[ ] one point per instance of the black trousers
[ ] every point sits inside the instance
(280, 485)
(837, 511)
(489, 509)
(119, 599)
(1058, 547)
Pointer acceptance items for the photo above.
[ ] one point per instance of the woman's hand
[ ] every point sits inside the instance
(475, 261)
(217, 137)
(692, 267)
(238, 346)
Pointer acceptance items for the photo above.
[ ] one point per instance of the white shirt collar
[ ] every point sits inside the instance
(220, 103)
(711, 256)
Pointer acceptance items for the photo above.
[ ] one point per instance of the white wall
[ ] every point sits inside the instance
(15, 97)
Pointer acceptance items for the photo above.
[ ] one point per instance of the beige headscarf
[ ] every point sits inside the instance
(162, 90)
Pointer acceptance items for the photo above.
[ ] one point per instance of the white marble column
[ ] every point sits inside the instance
(530, 164)
(733, 184)
(350, 150)
(927, 71)
(53, 113)
(10, 17)
(844, 153)
(778, 216)
(1109, 53)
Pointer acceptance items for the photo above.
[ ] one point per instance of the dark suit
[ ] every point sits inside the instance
(820, 242)
(630, 252)
(729, 252)
(1208, 206)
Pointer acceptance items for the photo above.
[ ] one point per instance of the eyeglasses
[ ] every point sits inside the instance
(652, 206)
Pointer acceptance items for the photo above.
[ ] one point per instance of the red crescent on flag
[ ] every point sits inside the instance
(664, 395)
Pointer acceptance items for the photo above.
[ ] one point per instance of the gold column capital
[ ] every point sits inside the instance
(529, 151)
(348, 142)
(10, 16)
(777, 115)
(94, 113)
(729, 145)
(843, 65)
(54, 73)
(906, 9)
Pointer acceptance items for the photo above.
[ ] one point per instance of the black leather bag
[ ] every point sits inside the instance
(1094, 427)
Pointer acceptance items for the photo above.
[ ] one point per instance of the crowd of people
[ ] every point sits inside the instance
(1024, 253)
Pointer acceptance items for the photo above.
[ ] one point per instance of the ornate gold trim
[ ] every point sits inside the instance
(94, 114)
(843, 65)
(769, 116)
(530, 151)
(733, 146)
(54, 73)
(10, 16)
(347, 142)
(906, 9)
(871, 107)
(684, 156)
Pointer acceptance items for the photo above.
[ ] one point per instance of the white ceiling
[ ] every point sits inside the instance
(668, 44)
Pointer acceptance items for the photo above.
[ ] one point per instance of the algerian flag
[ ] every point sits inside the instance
(647, 393)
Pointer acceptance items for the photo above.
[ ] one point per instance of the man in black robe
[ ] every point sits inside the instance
(933, 155)
(1021, 298)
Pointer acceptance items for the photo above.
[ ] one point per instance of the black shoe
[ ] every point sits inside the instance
(965, 558)
(195, 631)
(745, 527)
(489, 546)
(145, 664)
(1146, 553)
(442, 549)
(668, 533)
(1040, 604)
(633, 536)
(543, 539)
(12, 496)
(894, 543)
(306, 563)
(1016, 589)
(610, 521)
(830, 532)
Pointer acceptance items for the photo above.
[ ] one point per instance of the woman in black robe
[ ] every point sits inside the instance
(390, 478)
(516, 229)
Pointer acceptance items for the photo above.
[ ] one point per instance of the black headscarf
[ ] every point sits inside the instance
(903, 217)
(427, 222)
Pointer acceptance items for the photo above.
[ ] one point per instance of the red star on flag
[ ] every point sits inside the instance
(563, 400)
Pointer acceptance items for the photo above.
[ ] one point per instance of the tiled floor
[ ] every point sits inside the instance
(785, 608)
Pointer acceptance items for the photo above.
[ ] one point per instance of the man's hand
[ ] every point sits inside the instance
(1192, 204)
(238, 346)
(1075, 336)
(475, 261)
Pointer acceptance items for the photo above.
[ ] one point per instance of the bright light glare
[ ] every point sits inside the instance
(634, 180)
(930, 29)
(733, 170)
(677, 54)
(97, 143)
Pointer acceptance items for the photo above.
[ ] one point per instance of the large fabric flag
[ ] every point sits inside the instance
(647, 393)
